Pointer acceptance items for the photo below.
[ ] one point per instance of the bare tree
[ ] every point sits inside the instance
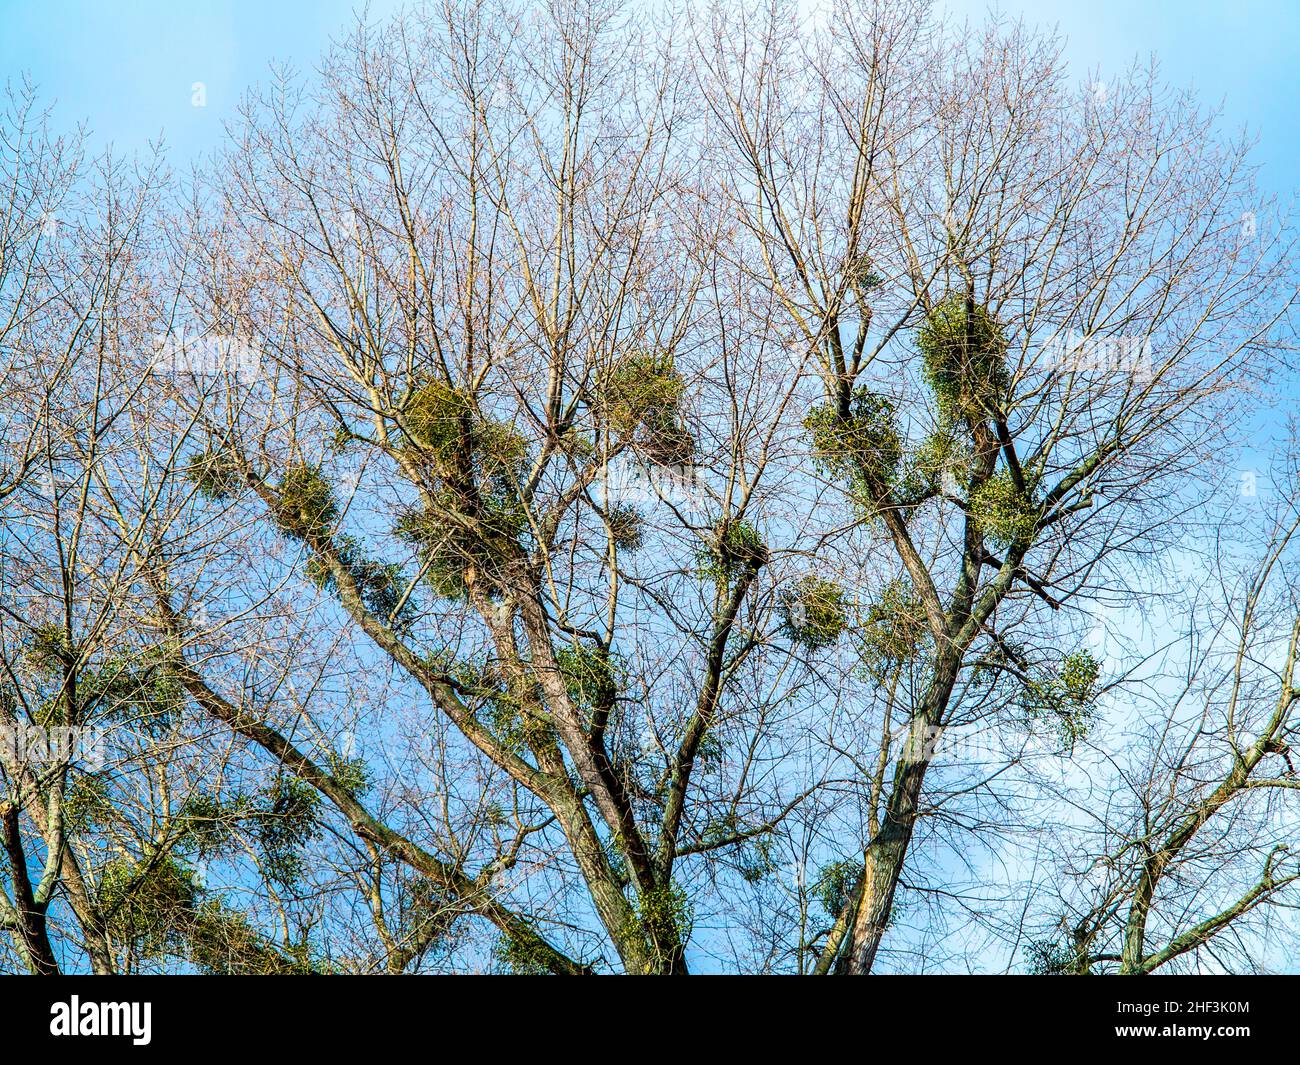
(1025, 302)
(70, 236)
(1188, 858)
(543, 498)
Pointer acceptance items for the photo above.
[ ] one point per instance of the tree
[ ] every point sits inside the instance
(1195, 842)
(540, 501)
(69, 244)
(1023, 302)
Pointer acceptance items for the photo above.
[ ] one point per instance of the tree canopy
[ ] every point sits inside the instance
(573, 490)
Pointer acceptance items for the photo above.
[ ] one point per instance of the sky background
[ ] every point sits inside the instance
(129, 69)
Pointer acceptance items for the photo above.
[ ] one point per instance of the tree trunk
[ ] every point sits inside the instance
(882, 864)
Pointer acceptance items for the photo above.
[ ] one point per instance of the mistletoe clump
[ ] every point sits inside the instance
(351, 774)
(1065, 697)
(1078, 676)
(87, 802)
(209, 823)
(626, 527)
(894, 630)
(150, 901)
(710, 752)
(815, 612)
(863, 447)
(443, 424)
(306, 507)
(471, 527)
(665, 914)
(157, 904)
(1004, 513)
(734, 548)
(522, 956)
(834, 883)
(380, 585)
(48, 650)
(215, 474)
(588, 675)
(285, 820)
(454, 543)
(437, 417)
(861, 272)
(963, 353)
(638, 386)
(757, 860)
(640, 397)
(223, 943)
(1049, 958)
(866, 440)
(306, 510)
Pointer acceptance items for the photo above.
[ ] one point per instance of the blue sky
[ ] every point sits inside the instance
(1241, 54)
(128, 68)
